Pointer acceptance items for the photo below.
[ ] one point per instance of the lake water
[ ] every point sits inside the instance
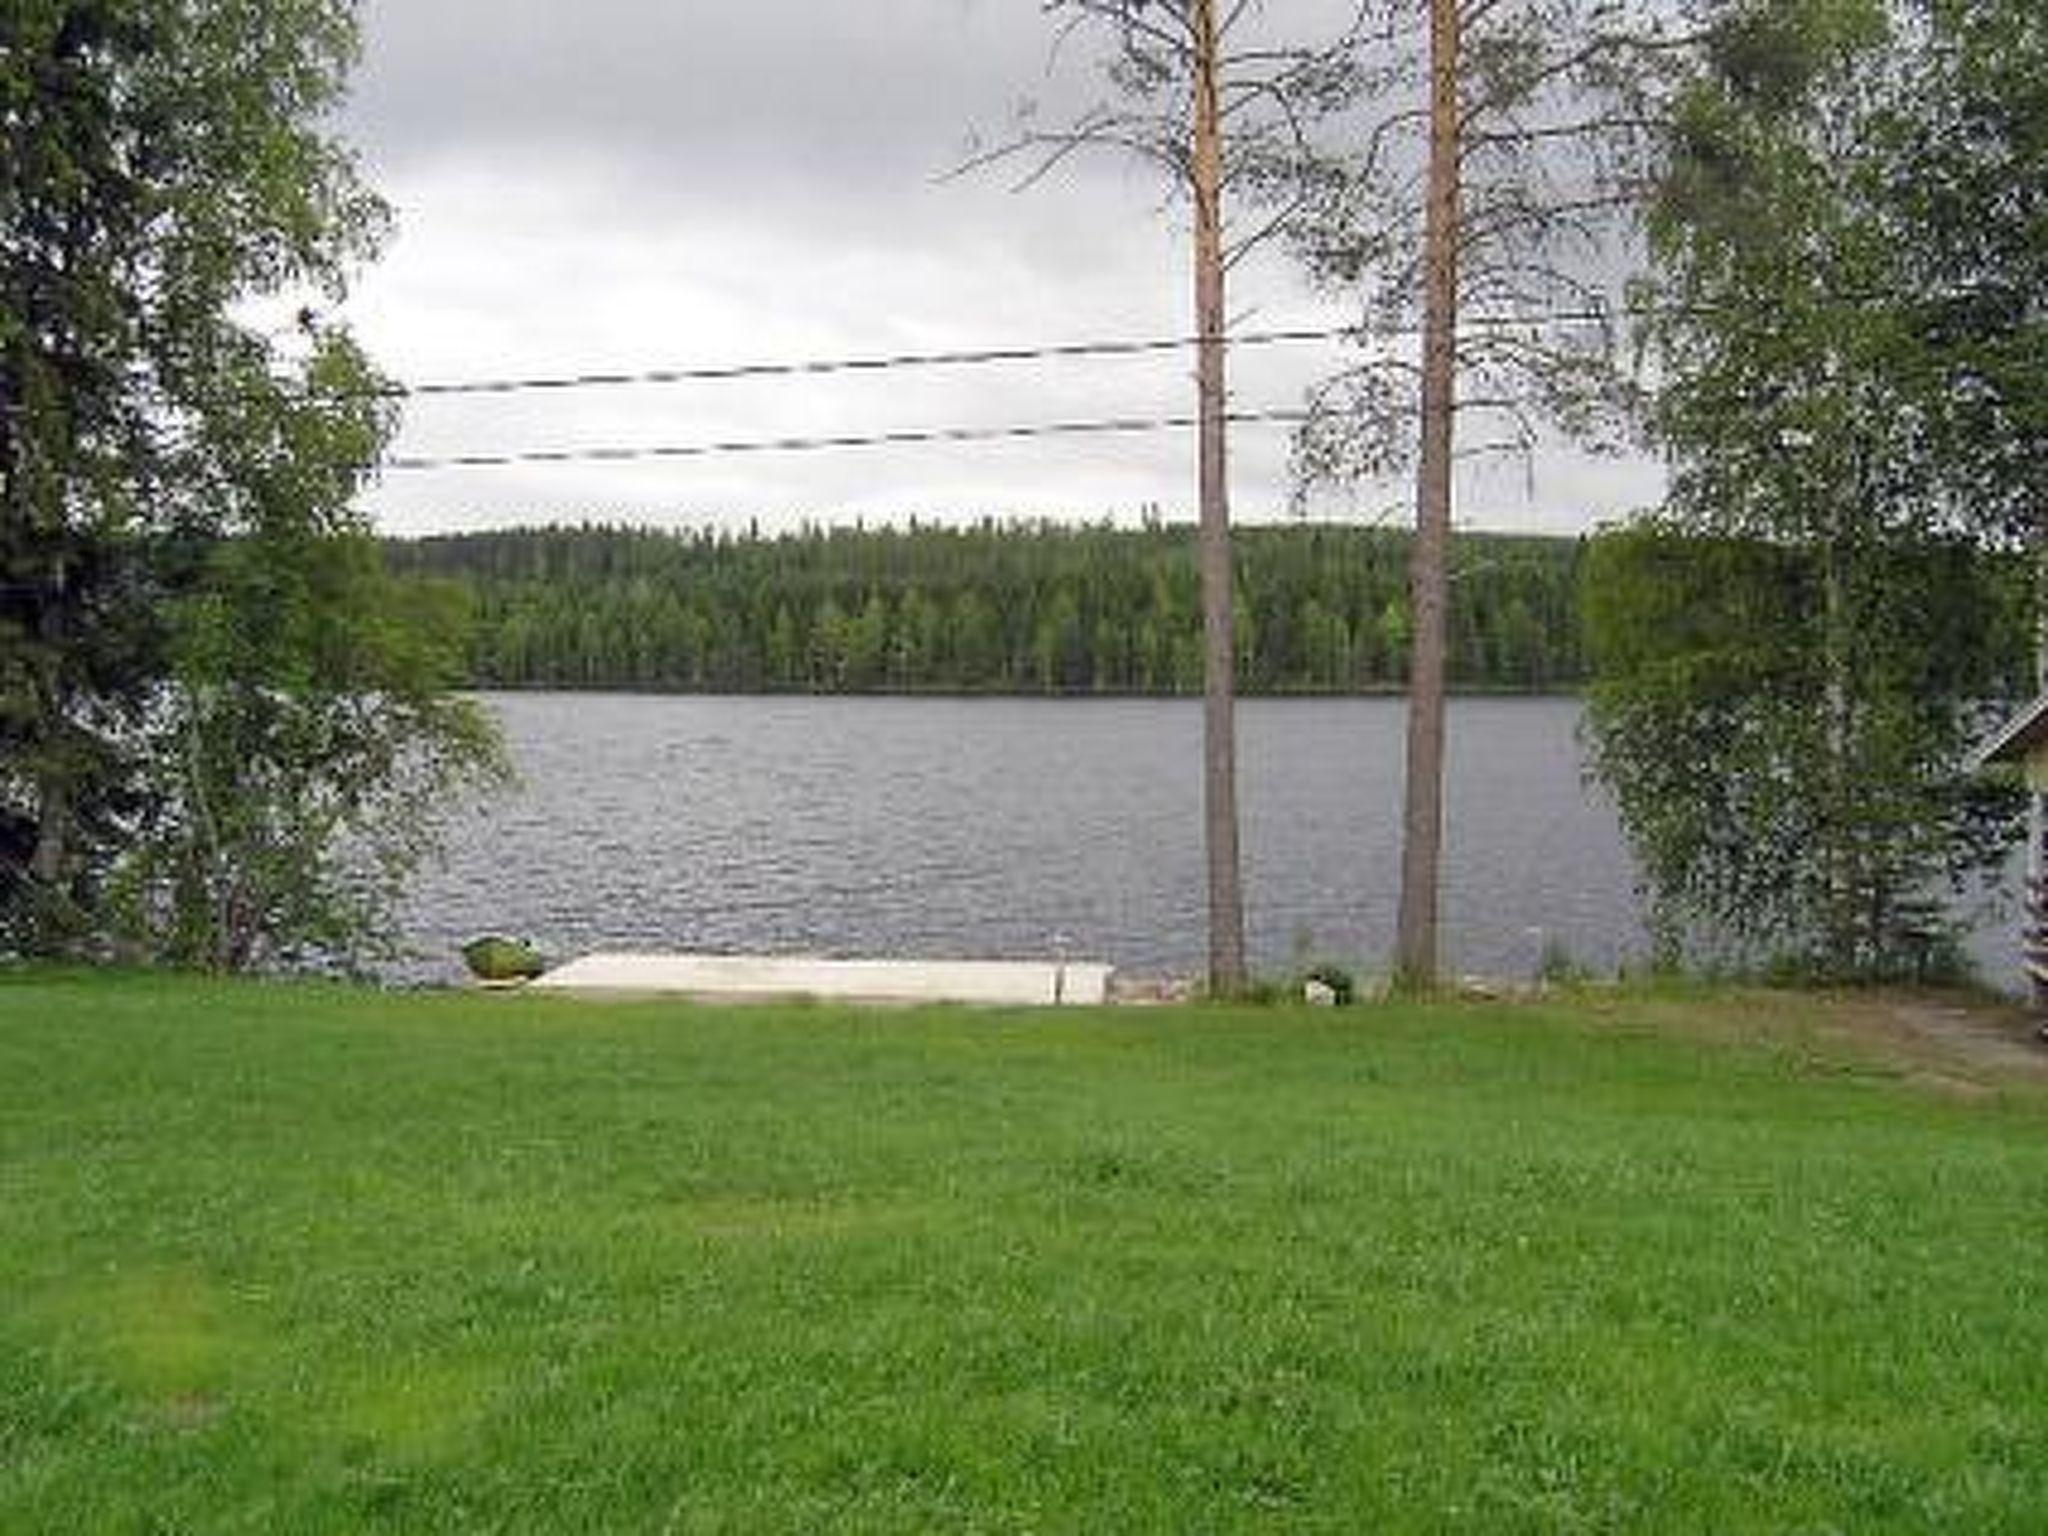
(1010, 828)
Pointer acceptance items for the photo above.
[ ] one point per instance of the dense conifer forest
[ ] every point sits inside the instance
(1022, 608)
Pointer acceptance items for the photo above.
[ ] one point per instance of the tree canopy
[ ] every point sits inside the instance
(1785, 720)
(168, 169)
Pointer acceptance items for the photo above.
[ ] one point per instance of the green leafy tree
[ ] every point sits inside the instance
(1770, 830)
(164, 462)
(1785, 726)
(298, 750)
(1966, 209)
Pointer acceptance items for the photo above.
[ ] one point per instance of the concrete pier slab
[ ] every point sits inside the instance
(1007, 983)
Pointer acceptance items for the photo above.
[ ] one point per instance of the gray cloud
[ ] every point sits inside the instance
(625, 184)
(699, 91)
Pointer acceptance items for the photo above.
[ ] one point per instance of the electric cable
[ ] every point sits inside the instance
(882, 363)
(715, 373)
(909, 436)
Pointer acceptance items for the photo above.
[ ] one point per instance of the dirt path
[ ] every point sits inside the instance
(1951, 1042)
(1948, 1041)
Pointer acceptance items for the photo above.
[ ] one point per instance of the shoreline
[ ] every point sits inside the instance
(1366, 695)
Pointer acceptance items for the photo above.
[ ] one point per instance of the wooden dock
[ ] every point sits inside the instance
(735, 978)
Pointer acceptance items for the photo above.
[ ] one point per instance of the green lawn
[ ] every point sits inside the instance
(306, 1260)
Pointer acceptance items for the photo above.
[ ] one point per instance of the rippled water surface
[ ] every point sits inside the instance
(1005, 828)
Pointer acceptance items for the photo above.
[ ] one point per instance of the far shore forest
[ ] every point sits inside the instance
(1032, 609)
(994, 608)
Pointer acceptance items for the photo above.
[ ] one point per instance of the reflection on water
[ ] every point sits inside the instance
(1011, 828)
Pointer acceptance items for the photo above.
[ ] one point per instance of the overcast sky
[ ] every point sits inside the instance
(639, 184)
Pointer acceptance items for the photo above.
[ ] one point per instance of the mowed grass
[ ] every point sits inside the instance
(305, 1260)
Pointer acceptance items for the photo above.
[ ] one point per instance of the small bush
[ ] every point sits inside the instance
(1336, 978)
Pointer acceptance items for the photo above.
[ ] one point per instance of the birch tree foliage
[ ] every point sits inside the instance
(1852, 259)
(1781, 818)
(304, 738)
(1810, 803)
(1968, 208)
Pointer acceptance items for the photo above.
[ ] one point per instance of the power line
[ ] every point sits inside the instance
(1102, 426)
(966, 357)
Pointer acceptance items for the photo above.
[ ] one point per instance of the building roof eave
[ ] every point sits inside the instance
(2013, 741)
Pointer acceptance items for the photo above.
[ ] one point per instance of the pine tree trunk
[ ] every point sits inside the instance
(1219, 728)
(1415, 958)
